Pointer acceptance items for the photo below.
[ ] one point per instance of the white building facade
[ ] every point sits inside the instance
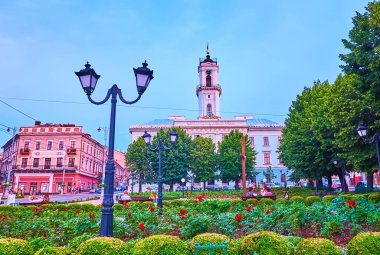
(264, 134)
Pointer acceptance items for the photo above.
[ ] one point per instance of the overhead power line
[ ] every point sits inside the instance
(141, 107)
(14, 108)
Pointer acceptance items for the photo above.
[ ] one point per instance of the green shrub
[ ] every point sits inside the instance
(75, 242)
(177, 202)
(265, 243)
(365, 243)
(118, 207)
(217, 205)
(266, 201)
(251, 201)
(282, 201)
(317, 246)
(311, 200)
(328, 199)
(52, 251)
(13, 246)
(100, 245)
(294, 240)
(215, 239)
(237, 202)
(161, 245)
(346, 196)
(298, 199)
(374, 197)
(40, 242)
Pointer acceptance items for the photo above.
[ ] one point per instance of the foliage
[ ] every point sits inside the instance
(316, 246)
(160, 245)
(297, 199)
(52, 251)
(311, 200)
(230, 156)
(214, 239)
(76, 241)
(265, 243)
(374, 197)
(100, 245)
(366, 243)
(329, 198)
(13, 246)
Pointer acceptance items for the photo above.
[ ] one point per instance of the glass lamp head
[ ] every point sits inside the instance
(143, 77)
(88, 78)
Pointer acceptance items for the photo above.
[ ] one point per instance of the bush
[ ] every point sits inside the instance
(317, 246)
(265, 243)
(52, 251)
(374, 197)
(294, 240)
(266, 201)
(75, 242)
(215, 239)
(101, 245)
(297, 199)
(161, 244)
(251, 201)
(281, 201)
(40, 242)
(346, 196)
(328, 199)
(13, 246)
(311, 200)
(365, 243)
(176, 202)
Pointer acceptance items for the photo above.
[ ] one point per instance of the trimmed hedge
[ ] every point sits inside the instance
(297, 199)
(329, 199)
(74, 243)
(374, 197)
(367, 243)
(53, 251)
(215, 239)
(161, 244)
(266, 243)
(101, 245)
(317, 246)
(13, 246)
(311, 200)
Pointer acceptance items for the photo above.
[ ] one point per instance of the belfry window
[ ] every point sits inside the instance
(208, 81)
(209, 109)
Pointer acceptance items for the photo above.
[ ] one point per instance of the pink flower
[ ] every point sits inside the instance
(332, 211)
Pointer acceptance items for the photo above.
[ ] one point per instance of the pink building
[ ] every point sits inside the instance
(51, 158)
(121, 170)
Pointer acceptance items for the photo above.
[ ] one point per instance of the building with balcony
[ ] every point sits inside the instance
(264, 135)
(52, 158)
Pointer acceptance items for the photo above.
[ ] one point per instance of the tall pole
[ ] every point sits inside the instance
(243, 159)
(106, 226)
(11, 165)
(159, 197)
(376, 140)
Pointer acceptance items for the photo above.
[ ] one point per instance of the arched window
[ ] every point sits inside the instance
(209, 109)
(208, 81)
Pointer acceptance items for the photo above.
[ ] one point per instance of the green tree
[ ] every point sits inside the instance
(175, 162)
(136, 157)
(230, 161)
(204, 161)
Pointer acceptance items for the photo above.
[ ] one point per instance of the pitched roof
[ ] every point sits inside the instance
(160, 122)
(263, 123)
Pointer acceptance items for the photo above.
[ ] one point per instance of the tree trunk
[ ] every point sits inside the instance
(140, 183)
(370, 181)
(171, 186)
(329, 181)
(319, 184)
(343, 182)
(204, 185)
(237, 185)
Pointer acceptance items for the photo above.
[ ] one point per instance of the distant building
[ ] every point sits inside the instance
(49, 158)
(264, 135)
(121, 170)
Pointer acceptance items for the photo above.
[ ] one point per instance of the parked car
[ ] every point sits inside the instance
(121, 188)
(213, 187)
(272, 185)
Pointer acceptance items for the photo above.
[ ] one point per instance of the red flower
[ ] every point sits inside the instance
(77, 211)
(129, 214)
(268, 212)
(232, 208)
(343, 203)
(351, 204)
(91, 215)
(201, 197)
(142, 226)
(238, 217)
(58, 211)
(183, 217)
(249, 208)
(152, 209)
(182, 212)
(126, 206)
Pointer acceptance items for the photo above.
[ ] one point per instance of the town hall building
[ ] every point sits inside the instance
(264, 134)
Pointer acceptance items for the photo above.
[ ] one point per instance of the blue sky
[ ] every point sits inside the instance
(267, 51)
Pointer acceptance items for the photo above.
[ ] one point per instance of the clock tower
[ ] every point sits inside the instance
(208, 91)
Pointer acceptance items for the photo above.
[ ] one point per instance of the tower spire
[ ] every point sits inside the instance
(207, 51)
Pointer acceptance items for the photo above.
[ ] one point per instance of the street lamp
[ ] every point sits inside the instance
(362, 131)
(336, 162)
(88, 79)
(183, 187)
(160, 146)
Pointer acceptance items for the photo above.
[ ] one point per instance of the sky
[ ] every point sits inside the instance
(267, 52)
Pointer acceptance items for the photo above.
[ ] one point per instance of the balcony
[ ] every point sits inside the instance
(71, 151)
(42, 168)
(24, 151)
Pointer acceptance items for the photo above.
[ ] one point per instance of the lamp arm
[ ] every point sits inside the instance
(125, 101)
(109, 93)
(153, 149)
(167, 148)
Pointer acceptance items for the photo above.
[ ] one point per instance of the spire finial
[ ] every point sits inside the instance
(207, 51)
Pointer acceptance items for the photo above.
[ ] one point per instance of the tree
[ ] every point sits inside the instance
(204, 159)
(137, 158)
(230, 161)
(175, 162)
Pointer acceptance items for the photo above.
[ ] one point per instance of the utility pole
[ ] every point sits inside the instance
(243, 159)
(11, 160)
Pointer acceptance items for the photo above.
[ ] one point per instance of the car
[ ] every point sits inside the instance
(272, 185)
(361, 184)
(336, 183)
(213, 187)
(98, 190)
(121, 188)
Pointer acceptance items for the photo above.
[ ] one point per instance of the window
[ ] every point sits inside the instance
(71, 162)
(60, 146)
(266, 141)
(266, 158)
(26, 145)
(36, 162)
(209, 109)
(38, 145)
(24, 162)
(208, 80)
(47, 163)
(49, 145)
(59, 162)
(252, 141)
(72, 144)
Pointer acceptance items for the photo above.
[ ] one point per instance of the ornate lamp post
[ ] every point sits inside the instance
(160, 146)
(88, 79)
(362, 131)
(183, 187)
